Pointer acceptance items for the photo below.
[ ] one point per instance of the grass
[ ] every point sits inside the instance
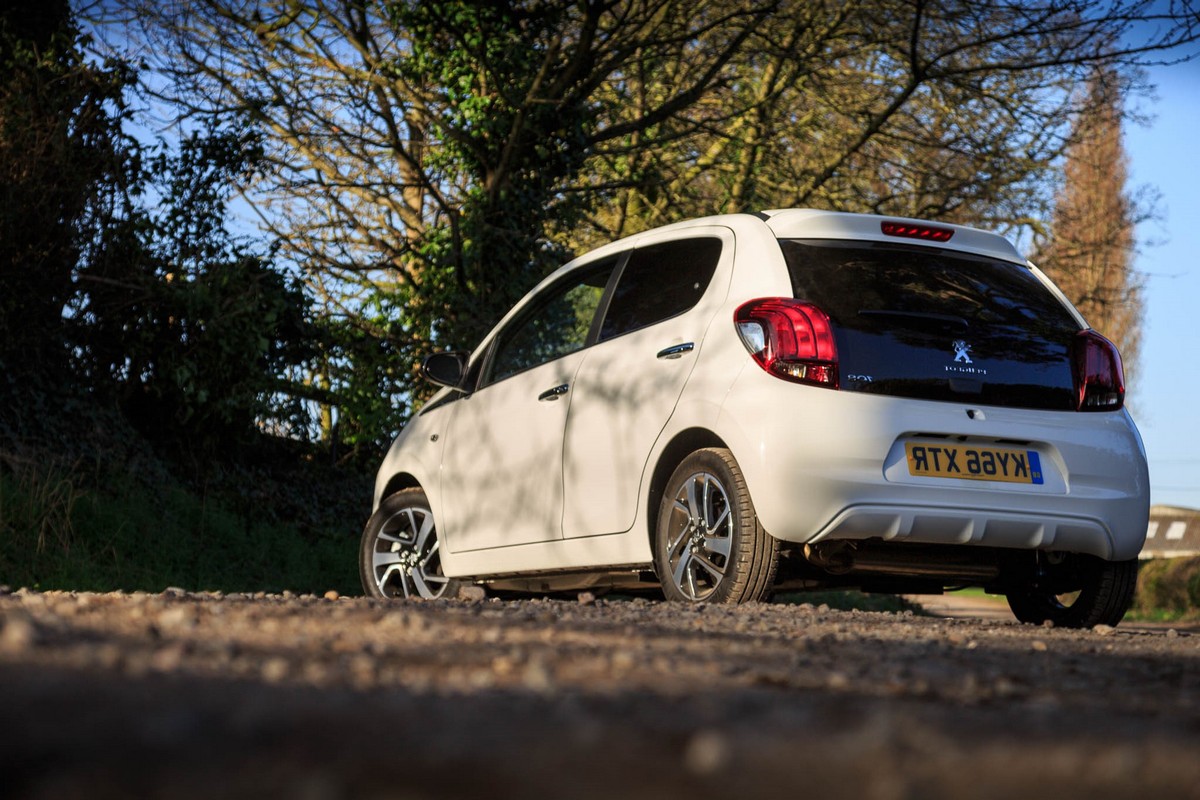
(1168, 590)
(62, 529)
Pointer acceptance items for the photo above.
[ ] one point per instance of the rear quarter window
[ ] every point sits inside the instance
(660, 281)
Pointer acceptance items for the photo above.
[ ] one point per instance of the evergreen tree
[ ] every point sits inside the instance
(1090, 254)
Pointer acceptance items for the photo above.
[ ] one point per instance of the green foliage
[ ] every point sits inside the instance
(367, 379)
(1090, 249)
(181, 324)
(1168, 589)
(142, 346)
(62, 528)
(37, 508)
(512, 134)
(435, 159)
(189, 330)
(60, 149)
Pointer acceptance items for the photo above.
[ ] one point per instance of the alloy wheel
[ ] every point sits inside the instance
(700, 536)
(405, 561)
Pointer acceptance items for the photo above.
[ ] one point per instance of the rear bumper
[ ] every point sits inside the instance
(972, 526)
(822, 465)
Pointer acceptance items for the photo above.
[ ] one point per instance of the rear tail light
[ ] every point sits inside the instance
(1099, 376)
(790, 339)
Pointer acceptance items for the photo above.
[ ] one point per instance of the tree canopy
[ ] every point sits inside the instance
(421, 165)
(121, 285)
(60, 149)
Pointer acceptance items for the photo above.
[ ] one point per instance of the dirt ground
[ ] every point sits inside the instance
(204, 695)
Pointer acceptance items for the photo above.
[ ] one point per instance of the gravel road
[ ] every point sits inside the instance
(206, 695)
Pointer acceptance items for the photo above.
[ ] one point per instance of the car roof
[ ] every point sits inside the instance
(809, 223)
(797, 223)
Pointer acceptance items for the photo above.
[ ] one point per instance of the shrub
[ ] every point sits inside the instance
(1168, 588)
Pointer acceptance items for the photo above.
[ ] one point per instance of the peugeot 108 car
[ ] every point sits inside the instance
(794, 399)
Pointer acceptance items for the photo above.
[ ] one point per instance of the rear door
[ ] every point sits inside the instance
(631, 379)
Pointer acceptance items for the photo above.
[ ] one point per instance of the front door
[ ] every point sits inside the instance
(502, 460)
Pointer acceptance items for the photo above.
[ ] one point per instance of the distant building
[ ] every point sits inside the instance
(1172, 533)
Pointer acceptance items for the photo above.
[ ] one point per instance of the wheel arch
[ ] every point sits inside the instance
(398, 481)
(680, 447)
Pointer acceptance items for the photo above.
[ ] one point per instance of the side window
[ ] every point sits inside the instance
(557, 323)
(659, 282)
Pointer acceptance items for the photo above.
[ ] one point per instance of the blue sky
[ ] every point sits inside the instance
(1165, 154)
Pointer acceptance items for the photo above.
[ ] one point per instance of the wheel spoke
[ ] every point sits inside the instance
(693, 506)
(422, 588)
(680, 542)
(385, 558)
(718, 544)
(387, 575)
(681, 568)
(711, 528)
(393, 538)
(423, 573)
(424, 531)
(712, 569)
(675, 544)
(691, 578)
(428, 556)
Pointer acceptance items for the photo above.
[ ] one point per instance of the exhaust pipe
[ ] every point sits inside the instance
(844, 558)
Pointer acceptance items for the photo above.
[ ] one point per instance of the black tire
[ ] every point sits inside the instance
(399, 555)
(708, 544)
(1104, 593)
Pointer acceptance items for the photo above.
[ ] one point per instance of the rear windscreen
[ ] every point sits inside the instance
(937, 323)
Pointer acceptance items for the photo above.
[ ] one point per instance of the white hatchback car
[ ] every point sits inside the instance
(794, 399)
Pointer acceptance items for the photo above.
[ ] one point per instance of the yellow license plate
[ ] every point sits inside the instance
(973, 462)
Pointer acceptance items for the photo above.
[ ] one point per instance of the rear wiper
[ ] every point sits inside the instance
(922, 316)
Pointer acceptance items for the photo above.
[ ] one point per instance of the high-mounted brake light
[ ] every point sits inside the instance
(790, 339)
(1099, 374)
(930, 233)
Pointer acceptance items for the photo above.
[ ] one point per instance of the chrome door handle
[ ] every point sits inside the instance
(676, 351)
(555, 393)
